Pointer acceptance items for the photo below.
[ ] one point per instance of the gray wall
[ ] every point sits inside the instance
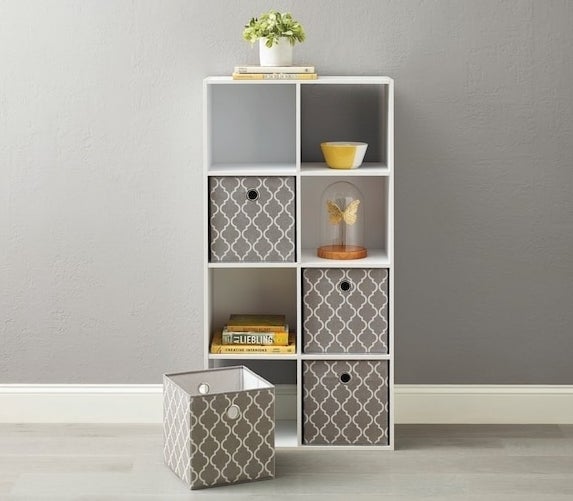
(100, 160)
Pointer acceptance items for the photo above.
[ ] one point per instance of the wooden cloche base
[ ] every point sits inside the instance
(342, 252)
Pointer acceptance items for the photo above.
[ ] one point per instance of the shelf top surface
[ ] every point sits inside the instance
(252, 356)
(366, 169)
(377, 258)
(320, 80)
(307, 169)
(252, 169)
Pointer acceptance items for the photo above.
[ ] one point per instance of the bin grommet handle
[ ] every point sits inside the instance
(233, 412)
(252, 194)
(203, 388)
(344, 286)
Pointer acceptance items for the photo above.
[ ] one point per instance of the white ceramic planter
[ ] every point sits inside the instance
(278, 55)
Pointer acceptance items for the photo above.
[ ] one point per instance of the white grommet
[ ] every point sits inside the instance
(233, 412)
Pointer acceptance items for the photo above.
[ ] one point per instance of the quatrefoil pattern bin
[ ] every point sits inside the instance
(252, 219)
(345, 402)
(345, 310)
(222, 437)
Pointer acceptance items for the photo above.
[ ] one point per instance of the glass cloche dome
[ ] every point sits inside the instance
(342, 222)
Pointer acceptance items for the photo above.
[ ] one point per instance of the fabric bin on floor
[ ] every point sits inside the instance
(218, 426)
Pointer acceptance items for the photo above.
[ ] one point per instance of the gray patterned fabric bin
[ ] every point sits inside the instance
(218, 426)
(345, 402)
(345, 310)
(252, 219)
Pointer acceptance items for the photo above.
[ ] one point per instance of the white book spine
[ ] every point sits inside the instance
(274, 69)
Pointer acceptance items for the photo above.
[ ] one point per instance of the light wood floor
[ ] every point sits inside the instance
(445, 462)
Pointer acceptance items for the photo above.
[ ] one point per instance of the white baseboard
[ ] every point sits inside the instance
(81, 403)
(484, 404)
(515, 404)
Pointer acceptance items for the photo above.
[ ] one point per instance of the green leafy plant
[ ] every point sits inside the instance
(273, 26)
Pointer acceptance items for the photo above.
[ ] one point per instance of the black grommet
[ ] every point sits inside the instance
(345, 377)
(344, 285)
(252, 194)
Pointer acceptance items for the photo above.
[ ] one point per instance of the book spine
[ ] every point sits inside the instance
(256, 328)
(264, 338)
(220, 349)
(275, 76)
(274, 69)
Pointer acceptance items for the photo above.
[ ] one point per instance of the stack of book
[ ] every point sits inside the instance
(274, 73)
(254, 334)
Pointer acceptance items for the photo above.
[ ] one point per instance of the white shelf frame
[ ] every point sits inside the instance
(250, 169)
(321, 80)
(377, 258)
(253, 356)
(366, 169)
(306, 258)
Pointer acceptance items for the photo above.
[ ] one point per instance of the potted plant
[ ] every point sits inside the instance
(277, 33)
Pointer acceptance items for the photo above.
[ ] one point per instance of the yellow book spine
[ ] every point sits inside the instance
(217, 348)
(275, 76)
(264, 338)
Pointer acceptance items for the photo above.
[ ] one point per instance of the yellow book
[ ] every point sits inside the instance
(255, 337)
(256, 323)
(275, 76)
(218, 348)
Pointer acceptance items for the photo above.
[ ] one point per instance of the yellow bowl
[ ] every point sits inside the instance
(343, 154)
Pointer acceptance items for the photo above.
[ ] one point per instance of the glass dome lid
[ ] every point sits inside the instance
(342, 222)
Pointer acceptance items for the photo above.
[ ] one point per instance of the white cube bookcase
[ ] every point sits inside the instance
(261, 129)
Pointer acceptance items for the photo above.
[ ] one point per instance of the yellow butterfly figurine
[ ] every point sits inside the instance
(336, 215)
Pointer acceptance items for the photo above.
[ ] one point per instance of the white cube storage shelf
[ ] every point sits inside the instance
(257, 134)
